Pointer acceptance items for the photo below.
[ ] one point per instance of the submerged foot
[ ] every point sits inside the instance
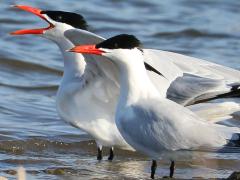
(111, 154)
(153, 168)
(172, 167)
(99, 154)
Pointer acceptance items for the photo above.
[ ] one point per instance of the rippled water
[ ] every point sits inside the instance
(31, 133)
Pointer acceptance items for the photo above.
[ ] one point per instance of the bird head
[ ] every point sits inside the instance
(58, 22)
(120, 48)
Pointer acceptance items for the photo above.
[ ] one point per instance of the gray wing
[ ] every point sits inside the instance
(156, 126)
(191, 80)
(164, 125)
(79, 36)
(185, 80)
(191, 89)
(193, 65)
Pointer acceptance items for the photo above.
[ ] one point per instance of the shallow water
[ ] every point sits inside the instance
(31, 133)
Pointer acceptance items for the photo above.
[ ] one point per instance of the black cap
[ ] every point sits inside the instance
(72, 19)
(122, 41)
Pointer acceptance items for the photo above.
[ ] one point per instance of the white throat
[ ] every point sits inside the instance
(134, 81)
(74, 63)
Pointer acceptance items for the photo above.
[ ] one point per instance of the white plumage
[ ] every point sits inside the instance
(88, 93)
(151, 123)
(89, 90)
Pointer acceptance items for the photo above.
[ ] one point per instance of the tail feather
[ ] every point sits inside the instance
(233, 93)
(234, 141)
(224, 111)
(231, 135)
(232, 146)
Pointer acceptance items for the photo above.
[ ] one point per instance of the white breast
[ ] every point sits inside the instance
(89, 104)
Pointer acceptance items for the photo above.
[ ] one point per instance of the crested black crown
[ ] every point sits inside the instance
(73, 19)
(122, 41)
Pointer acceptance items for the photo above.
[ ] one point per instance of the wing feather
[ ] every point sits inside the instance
(186, 80)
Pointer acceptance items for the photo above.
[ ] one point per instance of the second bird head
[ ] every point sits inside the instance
(120, 48)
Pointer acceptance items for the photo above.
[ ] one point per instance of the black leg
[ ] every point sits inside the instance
(99, 154)
(111, 154)
(153, 168)
(172, 167)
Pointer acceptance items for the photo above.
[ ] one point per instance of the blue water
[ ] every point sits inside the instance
(31, 133)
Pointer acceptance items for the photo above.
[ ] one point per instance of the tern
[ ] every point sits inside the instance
(86, 97)
(88, 92)
(149, 122)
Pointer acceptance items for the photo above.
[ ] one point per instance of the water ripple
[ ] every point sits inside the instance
(32, 134)
(192, 33)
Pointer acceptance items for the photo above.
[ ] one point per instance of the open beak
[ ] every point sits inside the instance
(36, 12)
(87, 49)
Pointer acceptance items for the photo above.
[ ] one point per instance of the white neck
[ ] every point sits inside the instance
(134, 82)
(74, 64)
